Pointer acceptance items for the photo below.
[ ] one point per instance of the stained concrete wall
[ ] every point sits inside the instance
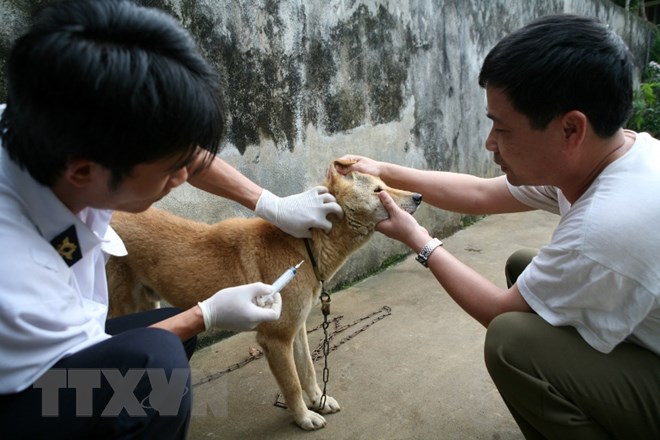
(306, 81)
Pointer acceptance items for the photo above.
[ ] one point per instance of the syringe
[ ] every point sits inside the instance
(279, 284)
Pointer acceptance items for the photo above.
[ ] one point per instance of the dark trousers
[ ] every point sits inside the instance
(133, 385)
(558, 387)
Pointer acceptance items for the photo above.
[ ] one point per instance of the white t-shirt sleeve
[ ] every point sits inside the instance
(568, 288)
(545, 198)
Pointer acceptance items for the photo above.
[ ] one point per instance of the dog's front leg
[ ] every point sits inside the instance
(279, 354)
(307, 375)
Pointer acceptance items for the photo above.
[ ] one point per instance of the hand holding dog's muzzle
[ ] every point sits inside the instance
(235, 308)
(401, 225)
(297, 213)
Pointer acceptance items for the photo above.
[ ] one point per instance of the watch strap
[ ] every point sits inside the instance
(427, 250)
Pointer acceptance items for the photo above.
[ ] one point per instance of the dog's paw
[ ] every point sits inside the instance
(310, 421)
(331, 405)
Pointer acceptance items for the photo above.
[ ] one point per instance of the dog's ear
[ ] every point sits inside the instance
(337, 169)
(341, 164)
(340, 167)
(331, 173)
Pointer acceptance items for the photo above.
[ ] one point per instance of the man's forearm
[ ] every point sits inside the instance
(223, 180)
(185, 325)
(474, 293)
(456, 192)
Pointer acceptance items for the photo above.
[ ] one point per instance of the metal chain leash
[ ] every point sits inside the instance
(316, 354)
(324, 348)
(384, 312)
(256, 354)
(325, 309)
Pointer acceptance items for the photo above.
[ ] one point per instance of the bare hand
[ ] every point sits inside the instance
(401, 225)
(349, 162)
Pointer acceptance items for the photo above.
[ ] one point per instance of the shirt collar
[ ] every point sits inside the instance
(52, 218)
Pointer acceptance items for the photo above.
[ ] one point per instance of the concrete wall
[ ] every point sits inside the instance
(306, 81)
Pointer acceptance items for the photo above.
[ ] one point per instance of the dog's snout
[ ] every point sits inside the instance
(417, 198)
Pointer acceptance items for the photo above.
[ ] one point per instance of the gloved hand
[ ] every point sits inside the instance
(235, 308)
(297, 213)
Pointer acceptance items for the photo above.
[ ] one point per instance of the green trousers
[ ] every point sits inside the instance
(558, 387)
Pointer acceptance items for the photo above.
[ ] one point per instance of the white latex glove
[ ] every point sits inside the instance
(235, 308)
(297, 213)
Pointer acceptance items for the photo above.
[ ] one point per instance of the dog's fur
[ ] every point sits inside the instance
(186, 262)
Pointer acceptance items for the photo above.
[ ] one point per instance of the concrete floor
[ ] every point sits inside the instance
(417, 373)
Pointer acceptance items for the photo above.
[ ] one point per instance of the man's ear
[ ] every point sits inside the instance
(574, 124)
(79, 172)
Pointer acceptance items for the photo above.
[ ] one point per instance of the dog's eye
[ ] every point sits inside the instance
(378, 189)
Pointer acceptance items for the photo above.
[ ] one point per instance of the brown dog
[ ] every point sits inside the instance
(186, 262)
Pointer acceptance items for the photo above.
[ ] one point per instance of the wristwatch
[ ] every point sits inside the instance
(427, 250)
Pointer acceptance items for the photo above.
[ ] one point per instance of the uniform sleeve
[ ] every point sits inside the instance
(42, 316)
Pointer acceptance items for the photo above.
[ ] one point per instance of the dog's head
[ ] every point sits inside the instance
(357, 194)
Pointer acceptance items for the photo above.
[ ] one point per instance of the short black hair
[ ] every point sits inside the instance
(108, 81)
(560, 63)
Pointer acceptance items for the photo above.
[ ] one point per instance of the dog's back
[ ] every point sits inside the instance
(187, 261)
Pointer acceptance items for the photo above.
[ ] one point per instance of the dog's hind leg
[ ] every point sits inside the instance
(307, 375)
(279, 353)
(121, 284)
(145, 298)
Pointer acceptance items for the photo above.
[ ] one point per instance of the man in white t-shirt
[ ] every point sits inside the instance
(573, 345)
(110, 106)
